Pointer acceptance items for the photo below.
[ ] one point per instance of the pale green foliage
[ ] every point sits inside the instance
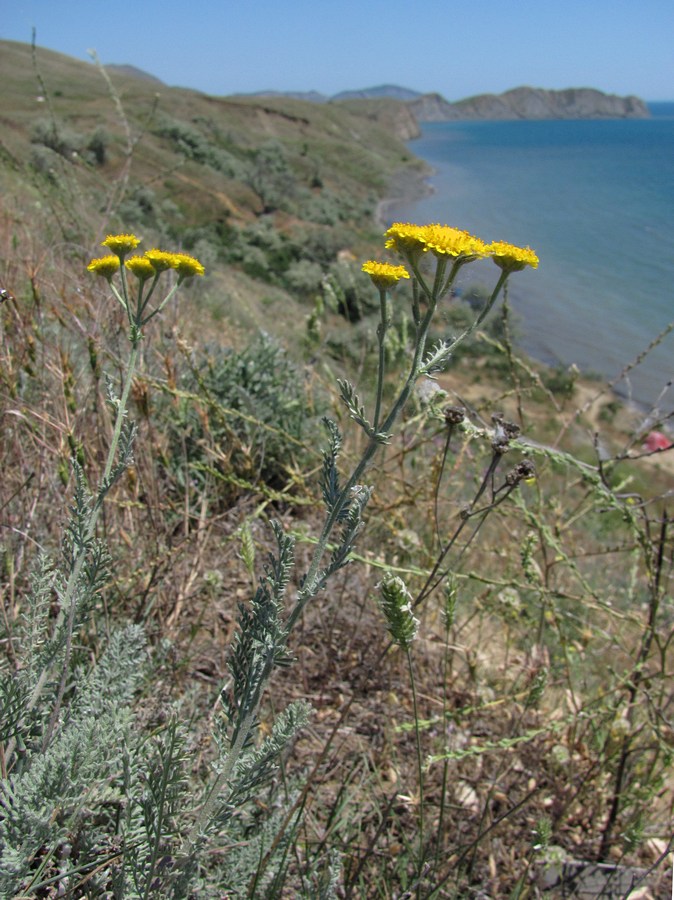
(240, 411)
(157, 794)
(269, 175)
(56, 786)
(259, 645)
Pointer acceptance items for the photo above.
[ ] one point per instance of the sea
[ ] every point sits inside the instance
(595, 200)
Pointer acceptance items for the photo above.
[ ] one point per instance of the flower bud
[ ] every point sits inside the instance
(396, 604)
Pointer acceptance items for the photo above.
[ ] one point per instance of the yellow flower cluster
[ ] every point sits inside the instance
(161, 260)
(445, 241)
(121, 244)
(105, 266)
(411, 241)
(441, 240)
(384, 275)
(143, 267)
(186, 266)
(511, 258)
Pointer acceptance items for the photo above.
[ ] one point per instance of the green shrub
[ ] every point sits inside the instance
(561, 381)
(304, 276)
(269, 175)
(43, 161)
(320, 245)
(97, 147)
(64, 141)
(140, 207)
(239, 416)
(193, 145)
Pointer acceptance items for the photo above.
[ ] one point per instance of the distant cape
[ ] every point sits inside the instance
(531, 103)
(517, 103)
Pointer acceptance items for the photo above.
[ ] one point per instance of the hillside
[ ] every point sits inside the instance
(274, 187)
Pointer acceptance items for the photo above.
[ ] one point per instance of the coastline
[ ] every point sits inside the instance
(558, 324)
(407, 185)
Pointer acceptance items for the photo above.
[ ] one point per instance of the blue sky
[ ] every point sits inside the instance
(455, 48)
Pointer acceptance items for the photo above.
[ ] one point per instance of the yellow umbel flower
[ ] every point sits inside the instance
(121, 244)
(384, 275)
(161, 260)
(405, 239)
(187, 266)
(443, 240)
(105, 266)
(511, 258)
(141, 267)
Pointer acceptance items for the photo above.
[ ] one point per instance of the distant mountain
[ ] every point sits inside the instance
(374, 93)
(132, 72)
(531, 103)
(383, 91)
(517, 103)
(307, 96)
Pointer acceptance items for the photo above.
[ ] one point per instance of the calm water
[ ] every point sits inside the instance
(595, 199)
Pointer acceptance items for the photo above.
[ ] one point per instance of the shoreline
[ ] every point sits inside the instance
(406, 186)
(411, 184)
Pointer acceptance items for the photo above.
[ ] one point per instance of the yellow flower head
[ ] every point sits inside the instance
(105, 266)
(160, 259)
(442, 240)
(406, 239)
(384, 275)
(121, 244)
(413, 240)
(187, 266)
(511, 258)
(141, 267)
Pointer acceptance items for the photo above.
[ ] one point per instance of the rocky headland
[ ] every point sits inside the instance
(531, 103)
(517, 103)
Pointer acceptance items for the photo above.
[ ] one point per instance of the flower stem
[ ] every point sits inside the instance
(420, 767)
(381, 337)
(119, 421)
(66, 611)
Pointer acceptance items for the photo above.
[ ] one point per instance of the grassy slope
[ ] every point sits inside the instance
(340, 157)
(352, 149)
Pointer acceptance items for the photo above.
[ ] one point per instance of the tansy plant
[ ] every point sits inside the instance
(135, 799)
(431, 257)
(86, 558)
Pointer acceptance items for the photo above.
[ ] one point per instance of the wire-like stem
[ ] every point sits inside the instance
(420, 765)
(445, 716)
(310, 585)
(381, 338)
(119, 419)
